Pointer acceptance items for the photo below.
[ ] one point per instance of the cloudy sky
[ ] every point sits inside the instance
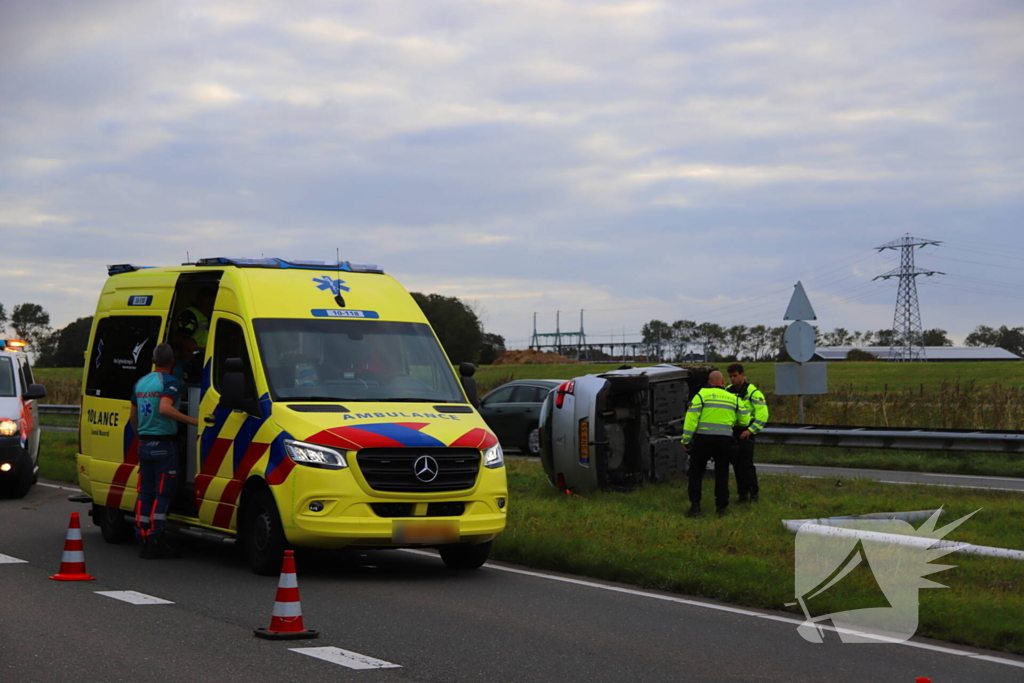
(637, 159)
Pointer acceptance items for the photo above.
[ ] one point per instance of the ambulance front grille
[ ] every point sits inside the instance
(392, 469)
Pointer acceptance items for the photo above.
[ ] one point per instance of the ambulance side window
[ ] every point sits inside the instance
(229, 342)
(28, 372)
(121, 353)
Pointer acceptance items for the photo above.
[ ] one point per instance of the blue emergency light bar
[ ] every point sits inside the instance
(344, 266)
(124, 268)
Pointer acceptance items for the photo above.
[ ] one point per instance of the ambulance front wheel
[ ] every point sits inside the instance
(262, 535)
(112, 523)
(464, 555)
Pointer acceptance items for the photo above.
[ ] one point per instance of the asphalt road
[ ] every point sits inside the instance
(896, 477)
(496, 624)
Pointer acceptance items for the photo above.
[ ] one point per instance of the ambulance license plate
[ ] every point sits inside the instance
(425, 532)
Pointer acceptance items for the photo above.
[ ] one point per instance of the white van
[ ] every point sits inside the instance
(19, 422)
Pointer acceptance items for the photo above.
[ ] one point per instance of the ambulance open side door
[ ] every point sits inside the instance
(225, 434)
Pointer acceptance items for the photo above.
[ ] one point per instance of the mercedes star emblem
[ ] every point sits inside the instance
(425, 468)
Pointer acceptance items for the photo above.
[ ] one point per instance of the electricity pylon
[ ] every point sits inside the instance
(907, 336)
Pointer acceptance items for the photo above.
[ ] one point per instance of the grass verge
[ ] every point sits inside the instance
(57, 451)
(746, 558)
(947, 462)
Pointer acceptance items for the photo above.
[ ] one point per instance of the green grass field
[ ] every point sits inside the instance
(865, 377)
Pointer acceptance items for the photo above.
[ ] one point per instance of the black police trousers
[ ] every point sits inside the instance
(743, 464)
(720, 448)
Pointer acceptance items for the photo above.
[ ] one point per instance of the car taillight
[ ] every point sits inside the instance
(584, 441)
(563, 389)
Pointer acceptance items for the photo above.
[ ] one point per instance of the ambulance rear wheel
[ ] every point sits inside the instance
(112, 523)
(464, 555)
(263, 539)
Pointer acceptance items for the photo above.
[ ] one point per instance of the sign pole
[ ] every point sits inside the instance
(800, 401)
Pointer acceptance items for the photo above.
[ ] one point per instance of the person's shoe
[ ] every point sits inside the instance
(720, 511)
(694, 511)
(166, 551)
(754, 498)
(150, 549)
(742, 500)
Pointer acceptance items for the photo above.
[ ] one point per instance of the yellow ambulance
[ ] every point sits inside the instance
(328, 413)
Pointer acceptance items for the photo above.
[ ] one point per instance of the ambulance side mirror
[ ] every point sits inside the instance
(35, 391)
(233, 394)
(467, 370)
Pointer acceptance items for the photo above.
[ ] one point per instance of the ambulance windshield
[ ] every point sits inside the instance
(6, 377)
(354, 360)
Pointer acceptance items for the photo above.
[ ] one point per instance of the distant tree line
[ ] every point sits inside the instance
(764, 343)
(52, 348)
(457, 325)
(459, 329)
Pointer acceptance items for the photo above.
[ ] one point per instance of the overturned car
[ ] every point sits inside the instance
(618, 429)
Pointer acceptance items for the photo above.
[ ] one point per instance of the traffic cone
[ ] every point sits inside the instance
(286, 623)
(72, 562)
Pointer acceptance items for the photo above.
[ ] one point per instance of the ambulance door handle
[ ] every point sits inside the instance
(210, 419)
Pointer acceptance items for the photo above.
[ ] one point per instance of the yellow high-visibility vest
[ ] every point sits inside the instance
(713, 412)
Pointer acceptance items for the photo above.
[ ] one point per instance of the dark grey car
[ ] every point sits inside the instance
(512, 411)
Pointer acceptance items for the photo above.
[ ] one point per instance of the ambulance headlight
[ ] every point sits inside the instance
(8, 427)
(493, 457)
(314, 455)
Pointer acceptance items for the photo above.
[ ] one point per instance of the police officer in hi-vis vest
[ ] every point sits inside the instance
(707, 434)
(753, 401)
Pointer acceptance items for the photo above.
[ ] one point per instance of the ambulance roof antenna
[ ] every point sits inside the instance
(337, 264)
(188, 259)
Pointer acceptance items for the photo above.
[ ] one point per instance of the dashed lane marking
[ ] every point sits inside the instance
(352, 660)
(135, 597)
(7, 559)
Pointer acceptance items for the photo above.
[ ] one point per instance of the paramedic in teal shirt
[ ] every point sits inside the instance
(154, 417)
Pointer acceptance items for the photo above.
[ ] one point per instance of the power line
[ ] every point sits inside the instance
(979, 263)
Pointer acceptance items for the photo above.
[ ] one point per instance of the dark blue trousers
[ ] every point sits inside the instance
(158, 482)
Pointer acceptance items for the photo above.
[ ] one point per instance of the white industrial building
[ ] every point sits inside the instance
(932, 353)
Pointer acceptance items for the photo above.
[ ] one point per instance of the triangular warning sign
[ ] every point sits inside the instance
(799, 306)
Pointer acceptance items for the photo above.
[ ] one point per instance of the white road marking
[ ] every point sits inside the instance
(737, 610)
(949, 486)
(55, 486)
(135, 598)
(7, 559)
(352, 660)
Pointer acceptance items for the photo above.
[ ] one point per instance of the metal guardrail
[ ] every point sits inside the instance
(53, 409)
(894, 438)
